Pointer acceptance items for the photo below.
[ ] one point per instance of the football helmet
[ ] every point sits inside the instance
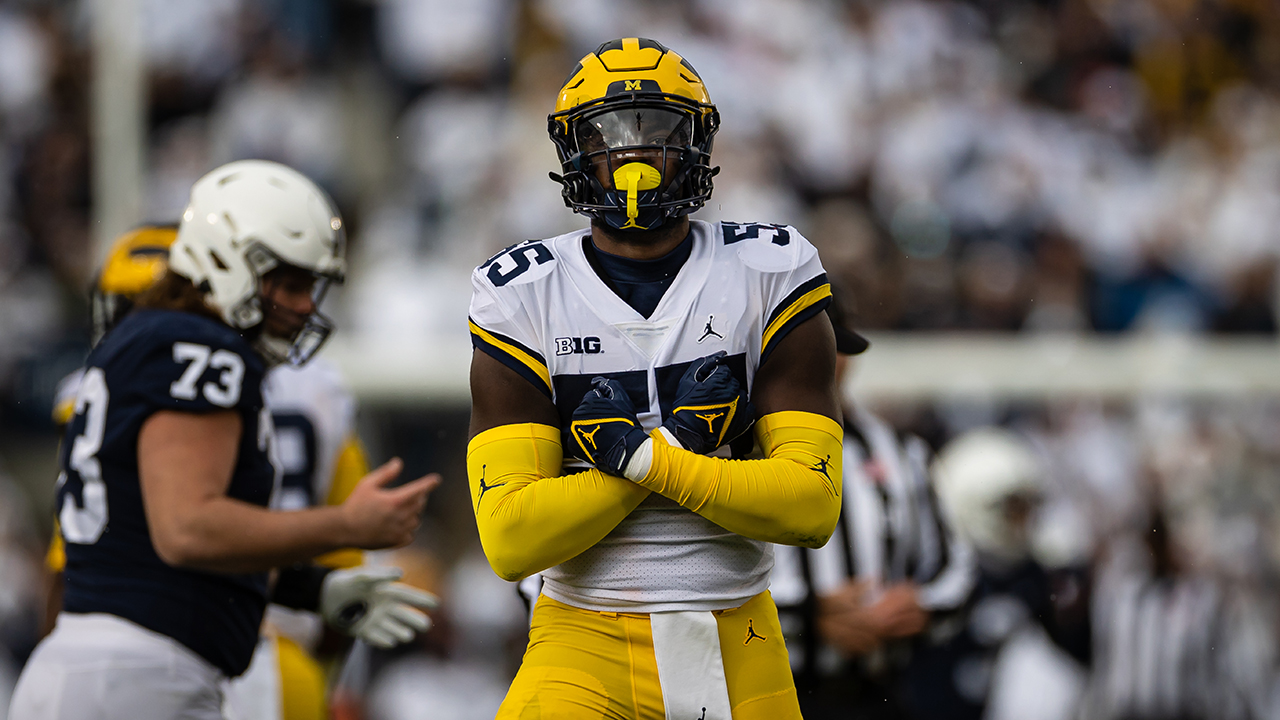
(243, 220)
(990, 480)
(633, 126)
(137, 259)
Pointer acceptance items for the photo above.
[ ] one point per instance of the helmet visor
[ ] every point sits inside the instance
(632, 127)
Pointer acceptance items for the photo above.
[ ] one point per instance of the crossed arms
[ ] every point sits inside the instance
(531, 517)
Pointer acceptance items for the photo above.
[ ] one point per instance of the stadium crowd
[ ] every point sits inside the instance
(1000, 165)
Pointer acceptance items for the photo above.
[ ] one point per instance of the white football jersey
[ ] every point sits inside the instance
(314, 415)
(540, 308)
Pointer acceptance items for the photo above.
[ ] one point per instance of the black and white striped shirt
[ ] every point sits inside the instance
(1179, 647)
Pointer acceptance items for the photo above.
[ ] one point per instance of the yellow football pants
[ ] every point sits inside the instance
(586, 665)
(302, 683)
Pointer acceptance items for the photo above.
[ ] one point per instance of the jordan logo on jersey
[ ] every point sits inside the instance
(752, 634)
(708, 331)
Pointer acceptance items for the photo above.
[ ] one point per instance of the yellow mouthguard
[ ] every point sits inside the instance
(632, 178)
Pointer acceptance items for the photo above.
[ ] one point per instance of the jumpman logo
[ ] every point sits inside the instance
(821, 466)
(484, 488)
(704, 714)
(708, 331)
(591, 436)
(710, 418)
(751, 633)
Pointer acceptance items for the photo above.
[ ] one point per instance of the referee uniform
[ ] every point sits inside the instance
(891, 530)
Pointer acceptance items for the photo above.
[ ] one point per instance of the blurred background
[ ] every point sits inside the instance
(1057, 216)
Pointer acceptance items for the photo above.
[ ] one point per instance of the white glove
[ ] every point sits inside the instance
(367, 603)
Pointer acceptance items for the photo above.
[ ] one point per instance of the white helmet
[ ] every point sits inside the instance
(976, 475)
(244, 219)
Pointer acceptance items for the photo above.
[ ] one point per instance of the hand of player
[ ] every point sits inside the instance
(377, 517)
(605, 429)
(897, 612)
(711, 406)
(367, 603)
(843, 621)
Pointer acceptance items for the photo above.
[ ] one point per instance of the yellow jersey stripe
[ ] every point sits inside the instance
(523, 356)
(804, 301)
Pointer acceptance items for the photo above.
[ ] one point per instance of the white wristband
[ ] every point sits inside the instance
(640, 462)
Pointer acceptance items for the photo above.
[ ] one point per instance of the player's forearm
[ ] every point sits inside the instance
(529, 516)
(792, 497)
(221, 534)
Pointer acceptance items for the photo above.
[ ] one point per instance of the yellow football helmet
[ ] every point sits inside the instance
(137, 260)
(633, 126)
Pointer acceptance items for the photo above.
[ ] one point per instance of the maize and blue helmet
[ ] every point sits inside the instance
(633, 126)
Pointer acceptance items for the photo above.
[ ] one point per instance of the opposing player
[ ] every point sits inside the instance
(322, 460)
(167, 471)
(617, 373)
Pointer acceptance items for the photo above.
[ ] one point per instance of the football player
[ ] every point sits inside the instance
(321, 461)
(617, 375)
(168, 468)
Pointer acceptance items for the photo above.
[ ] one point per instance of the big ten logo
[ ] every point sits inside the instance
(577, 345)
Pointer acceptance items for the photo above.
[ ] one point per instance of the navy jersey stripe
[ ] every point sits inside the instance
(792, 324)
(505, 357)
(790, 299)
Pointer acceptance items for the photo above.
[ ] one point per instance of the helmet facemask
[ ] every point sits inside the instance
(296, 347)
(603, 144)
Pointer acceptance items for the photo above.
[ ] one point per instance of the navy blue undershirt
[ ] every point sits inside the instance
(640, 283)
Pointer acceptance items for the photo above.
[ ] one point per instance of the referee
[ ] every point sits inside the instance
(890, 576)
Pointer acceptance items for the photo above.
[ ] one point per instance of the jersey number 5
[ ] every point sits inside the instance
(84, 525)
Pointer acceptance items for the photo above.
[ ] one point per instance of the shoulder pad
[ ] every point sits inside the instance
(520, 263)
(183, 362)
(763, 246)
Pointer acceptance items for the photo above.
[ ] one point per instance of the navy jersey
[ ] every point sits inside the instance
(160, 360)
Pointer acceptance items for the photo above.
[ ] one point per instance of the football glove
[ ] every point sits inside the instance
(711, 406)
(605, 428)
(367, 603)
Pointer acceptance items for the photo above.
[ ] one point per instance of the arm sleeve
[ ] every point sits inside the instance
(791, 497)
(529, 516)
(298, 586)
(351, 465)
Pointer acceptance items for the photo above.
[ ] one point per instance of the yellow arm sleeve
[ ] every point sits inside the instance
(530, 517)
(791, 497)
(352, 464)
(56, 559)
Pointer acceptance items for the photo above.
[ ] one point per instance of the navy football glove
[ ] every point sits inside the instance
(605, 427)
(711, 406)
